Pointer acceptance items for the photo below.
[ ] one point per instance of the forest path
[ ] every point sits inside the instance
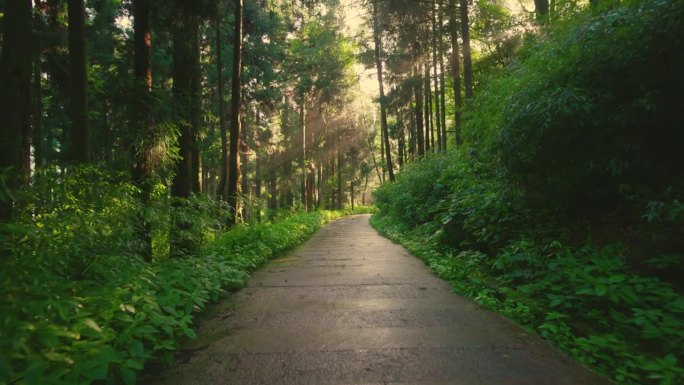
(351, 307)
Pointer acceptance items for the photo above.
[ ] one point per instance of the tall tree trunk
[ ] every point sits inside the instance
(244, 163)
(402, 143)
(195, 106)
(428, 104)
(272, 186)
(438, 96)
(442, 91)
(257, 171)
(223, 177)
(15, 83)
(418, 95)
(467, 60)
(339, 176)
(455, 71)
(38, 139)
(141, 118)
(79, 146)
(383, 109)
(181, 243)
(302, 159)
(235, 116)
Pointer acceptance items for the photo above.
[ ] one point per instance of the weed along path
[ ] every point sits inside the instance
(351, 307)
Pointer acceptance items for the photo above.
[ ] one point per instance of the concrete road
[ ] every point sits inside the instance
(351, 307)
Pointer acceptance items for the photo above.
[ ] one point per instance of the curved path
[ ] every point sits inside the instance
(351, 307)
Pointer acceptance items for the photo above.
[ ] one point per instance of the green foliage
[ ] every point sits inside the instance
(563, 208)
(79, 305)
(596, 108)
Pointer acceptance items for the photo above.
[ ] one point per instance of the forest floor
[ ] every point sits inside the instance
(351, 307)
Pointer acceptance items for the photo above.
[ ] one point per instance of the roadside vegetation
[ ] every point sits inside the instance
(79, 305)
(563, 208)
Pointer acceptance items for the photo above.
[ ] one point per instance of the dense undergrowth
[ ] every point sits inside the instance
(79, 305)
(564, 208)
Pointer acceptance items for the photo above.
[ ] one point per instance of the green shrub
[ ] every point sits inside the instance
(80, 306)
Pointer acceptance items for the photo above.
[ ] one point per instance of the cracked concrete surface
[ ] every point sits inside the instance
(351, 307)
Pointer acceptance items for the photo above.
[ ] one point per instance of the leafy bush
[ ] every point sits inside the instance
(563, 208)
(596, 108)
(78, 305)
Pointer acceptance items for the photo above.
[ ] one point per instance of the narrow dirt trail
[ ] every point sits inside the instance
(351, 307)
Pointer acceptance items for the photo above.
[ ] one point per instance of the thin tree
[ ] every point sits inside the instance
(221, 107)
(141, 116)
(383, 109)
(38, 140)
(235, 117)
(442, 92)
(79, 149)
(455, 71)
(467, 61)
(15, 83)
(438, 96)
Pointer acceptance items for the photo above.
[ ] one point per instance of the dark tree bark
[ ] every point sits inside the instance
(141, 116)
(235, 116)
(383, 109)
(37, 140)
(79, 138)
(258, 167)
(418, 95)
(182, 79)
(442, 91)
(195, 107)
(223, 177)
(272, 186)
(467, 61)
(302, 155)
(15, 75)
(541, 10)
(402, 143)
(427, 105)
(244, 183)
(455, 71)
(438, 96)
(181, 188)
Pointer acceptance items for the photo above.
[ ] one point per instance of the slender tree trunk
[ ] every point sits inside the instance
(418, 95)
(244, 163)
(141, 118)
(257, 171)
(442, 91)
(383, 102)
(427, 105)
(272, 186)
(195, 106)
(339, 176)
(467, 61)
(455, 71)
(38, 135)
(223, 177)
(235, 116)
(401, 144)
(15, 83)
(302, 159)
(79, 146)
(438, 96)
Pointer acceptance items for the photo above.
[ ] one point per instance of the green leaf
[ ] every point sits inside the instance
(601, 289)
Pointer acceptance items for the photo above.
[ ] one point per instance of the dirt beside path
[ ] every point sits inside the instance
(351, 307)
